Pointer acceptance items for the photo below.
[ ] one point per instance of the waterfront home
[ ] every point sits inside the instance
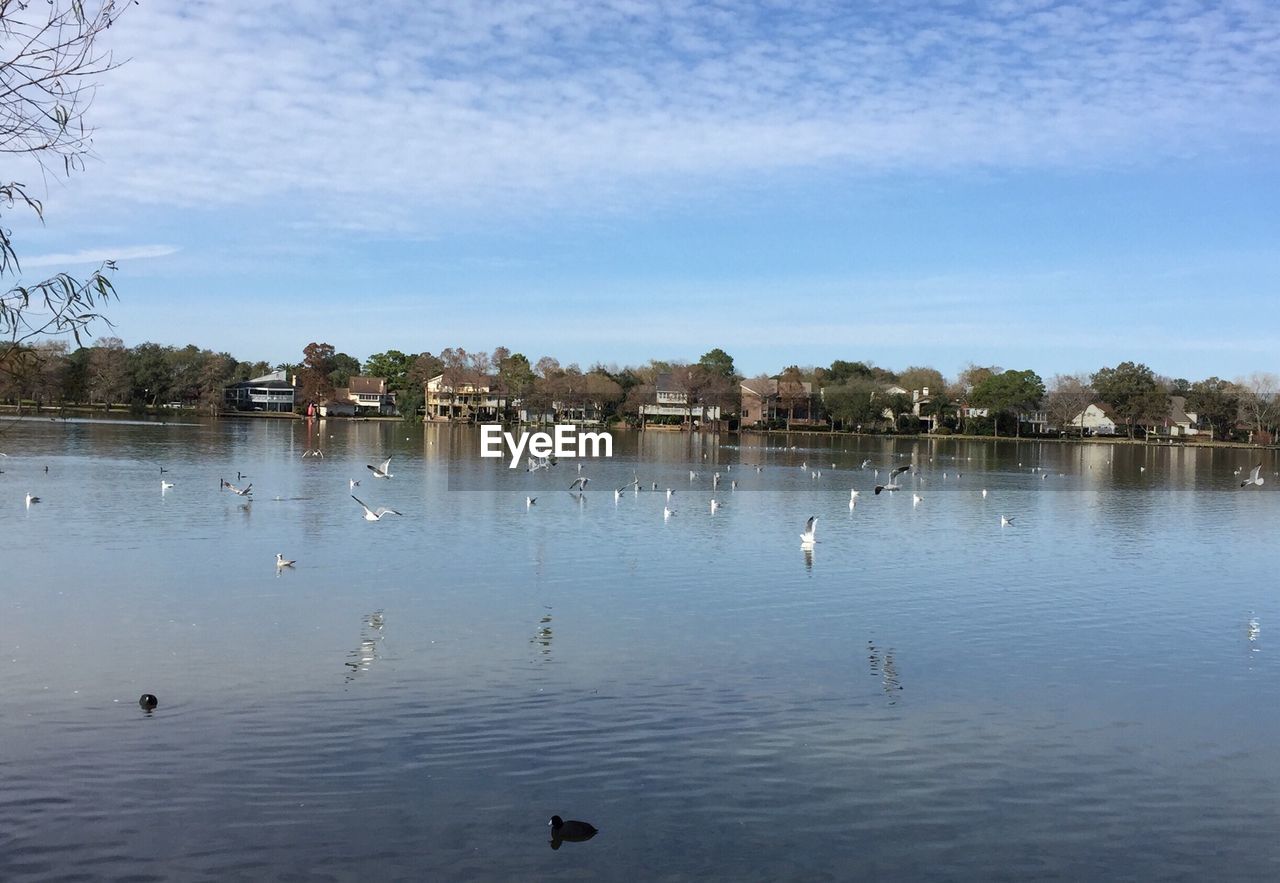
(270, 392)
(466, 396)
(1096, 419)
(671, 401)
(367, 395)
(770, 400)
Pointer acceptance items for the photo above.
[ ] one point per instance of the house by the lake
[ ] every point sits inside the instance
(271, 392)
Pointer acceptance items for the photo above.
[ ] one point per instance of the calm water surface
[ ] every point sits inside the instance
(926, 695)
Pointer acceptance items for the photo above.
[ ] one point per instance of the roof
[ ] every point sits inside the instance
(367, 385)
(260, 383)
(1178, 410)
(769, 386)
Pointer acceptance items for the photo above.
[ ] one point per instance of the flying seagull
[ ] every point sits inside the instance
(282, 561)
(579, 483)
(892, 475)
(806, 538)
(31, 499)
(1006, 521)
(1255, 477)
(371, 515)
(714, 506)
(354, 483)
(246, 492)
(381, 471)
(529, 501)
(165, 485)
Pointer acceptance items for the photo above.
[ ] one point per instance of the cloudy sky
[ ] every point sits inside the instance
(1032, 184)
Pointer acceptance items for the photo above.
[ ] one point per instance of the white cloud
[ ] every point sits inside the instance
(98, 255)
(396, 112)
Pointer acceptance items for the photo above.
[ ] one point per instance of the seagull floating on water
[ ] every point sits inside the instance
(165, 485)
(31, 499)
(383, 471)
(282, 561)
(714, 506)
(984, 493)
(1255, 477)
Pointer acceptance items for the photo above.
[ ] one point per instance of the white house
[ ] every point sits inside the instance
(672, 401)
(1097, 419)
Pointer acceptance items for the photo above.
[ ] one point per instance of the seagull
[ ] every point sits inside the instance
(666, 513)
(714, 506)
(806, 538)
(313, 453)
(892, 475)
(865, 464)
(381, 471)
(31, 499)
(354, 483)
(370, 515)
(853, 493)
(669, 493)
(617, 494)
(165, 485)
(529, 501)
(1255, 477)
(984, 493)
(281, 561)
(692, 475)
(580, 483)
(1006, 521)
(248, 489)
(163, 470)
(916, 499)
(733, 485)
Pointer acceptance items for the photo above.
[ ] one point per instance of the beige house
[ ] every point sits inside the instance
(467, 396)
(768, 400)
(361, 395)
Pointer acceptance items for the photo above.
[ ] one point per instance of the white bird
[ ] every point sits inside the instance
(733, 485)
(165, 485)
(580, 483)
(579, 468)
(892, 475)
(666, 513)
(865, 464)
(313, 453)
(31, 499)
(853, 494)
(1255, 477)
(916, 499)
(281, 561)
(806, 538)
(372, 515)
(247, 491)
(714, 506)
(353, 483)
(617, 495)
(984, 493)
(669, 493)
(529, 501)
(1006, 521)
(383, 471)
(692, 475)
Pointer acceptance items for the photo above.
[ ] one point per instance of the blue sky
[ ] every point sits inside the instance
(1033, 184)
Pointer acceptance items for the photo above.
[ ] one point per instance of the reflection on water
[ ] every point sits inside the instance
(361, 659)
(883, 667)
(542, 637)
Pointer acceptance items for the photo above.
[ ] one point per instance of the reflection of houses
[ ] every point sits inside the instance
(270, 392)
(670, 401)
(1097, 419)
(466, 396)
(769, 400)
(361, 395)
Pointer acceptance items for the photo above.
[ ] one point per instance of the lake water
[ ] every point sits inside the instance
(1090, 692)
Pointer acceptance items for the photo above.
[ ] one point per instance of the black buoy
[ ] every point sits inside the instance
(148, 702)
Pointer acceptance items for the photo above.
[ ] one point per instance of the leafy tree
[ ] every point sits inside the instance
(314, 383)
(1217, 402)
(392, 365)
(853, 402)
(1010, 392)
(516, 377)
(344, 368)
(791, 391)
(49, 66)
(973, 375)
(717, 361)
(1132, 392)
(149, 376)
(108, 371)
(922, 378)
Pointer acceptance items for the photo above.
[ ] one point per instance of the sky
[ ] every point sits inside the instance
(1047, 185)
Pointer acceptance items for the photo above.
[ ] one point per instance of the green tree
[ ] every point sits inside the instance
(344, 368)
(1217, 402)
(853, 402)
(718, 362)
(1010, 392)
(392, 365)
(1132, 392)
